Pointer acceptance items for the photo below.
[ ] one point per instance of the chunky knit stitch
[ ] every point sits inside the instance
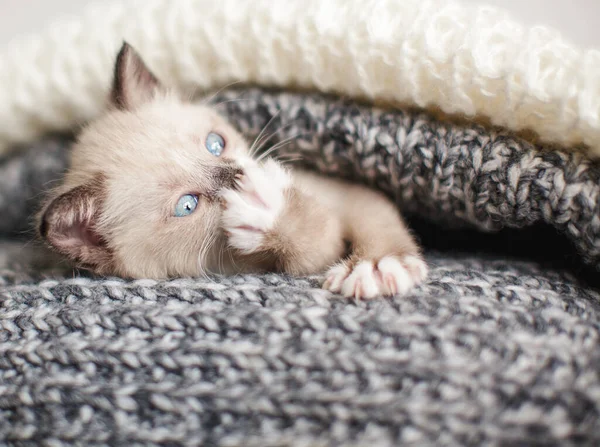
(461, 58)
(491, 350)
(452, 174)
(487, 352)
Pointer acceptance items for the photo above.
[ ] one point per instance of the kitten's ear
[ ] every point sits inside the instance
(69, 225)
(134, 83)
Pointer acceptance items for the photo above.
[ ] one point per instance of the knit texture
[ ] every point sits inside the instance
(487, 352)
(458, 175)
(499, 347)
(462, 58)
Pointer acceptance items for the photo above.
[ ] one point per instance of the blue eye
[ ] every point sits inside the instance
(186, 205)
(215, 144)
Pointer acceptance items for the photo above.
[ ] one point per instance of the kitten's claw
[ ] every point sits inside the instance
(392, 275)
(362, 282)
(253, 208)
(397, 279)
(335, 277)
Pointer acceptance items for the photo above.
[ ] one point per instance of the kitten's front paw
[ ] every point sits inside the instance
(253, 209)
(392, 275)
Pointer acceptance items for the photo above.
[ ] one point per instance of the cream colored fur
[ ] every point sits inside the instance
(462, 58)
(114, 213)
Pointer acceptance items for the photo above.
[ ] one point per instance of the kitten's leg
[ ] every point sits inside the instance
(279, 217)
(270, 222)
(384, 259)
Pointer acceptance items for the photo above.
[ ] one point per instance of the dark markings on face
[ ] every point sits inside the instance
(222, 177)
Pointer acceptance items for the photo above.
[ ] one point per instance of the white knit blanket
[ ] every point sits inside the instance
(463, 59)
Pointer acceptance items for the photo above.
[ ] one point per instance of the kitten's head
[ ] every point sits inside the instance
(141, 198)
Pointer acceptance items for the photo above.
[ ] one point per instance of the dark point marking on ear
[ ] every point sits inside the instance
(133, 82)
(69, 226)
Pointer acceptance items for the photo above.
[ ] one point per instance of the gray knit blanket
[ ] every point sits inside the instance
(499, 347)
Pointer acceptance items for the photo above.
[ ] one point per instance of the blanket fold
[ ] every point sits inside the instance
(462, 58)
(459, 175)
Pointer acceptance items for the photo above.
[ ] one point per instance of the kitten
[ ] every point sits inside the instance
(159, 187)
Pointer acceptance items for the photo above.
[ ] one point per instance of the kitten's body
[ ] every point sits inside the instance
(114, 211)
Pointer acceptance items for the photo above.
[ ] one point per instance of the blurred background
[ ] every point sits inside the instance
(577, 20)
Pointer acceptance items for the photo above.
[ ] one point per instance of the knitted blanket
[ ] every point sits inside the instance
(500, 346)
(461, 58)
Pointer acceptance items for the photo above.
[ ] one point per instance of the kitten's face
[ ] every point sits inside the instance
(156, 166)
(142, 195)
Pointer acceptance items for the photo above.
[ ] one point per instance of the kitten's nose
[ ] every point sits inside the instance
(226, 177)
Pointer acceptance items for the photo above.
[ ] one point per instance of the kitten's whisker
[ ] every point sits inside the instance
(209, 99)
(232, 260)
(231, 100)
(205, 247)
(288, 157)
(261, 133)
(210, 248)
(221, 260)
(200, 262)
(277, 146)
(292, 155)
(192, 93)
(289, 161)
(270, 137)
(30, 240)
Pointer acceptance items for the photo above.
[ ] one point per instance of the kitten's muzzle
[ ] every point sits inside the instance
(224, 177)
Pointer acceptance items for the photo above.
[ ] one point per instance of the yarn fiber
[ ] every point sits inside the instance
(464, 59)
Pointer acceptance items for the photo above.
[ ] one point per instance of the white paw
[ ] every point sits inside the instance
(253, 209)
(335, 277)
(390, 276)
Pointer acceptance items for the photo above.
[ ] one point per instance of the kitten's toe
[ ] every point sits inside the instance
(417, 268)
(362, 283)
(399, 275)
(335, 277)
(395, 277)
(392, 275)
